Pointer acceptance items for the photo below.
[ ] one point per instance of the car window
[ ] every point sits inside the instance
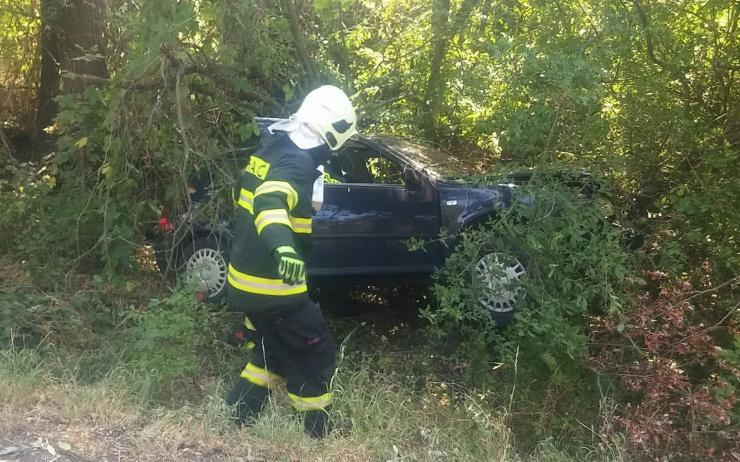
(384, 171)
(362, 165)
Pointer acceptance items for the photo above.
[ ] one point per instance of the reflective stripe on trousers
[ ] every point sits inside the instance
(260, 376)
(310, 403)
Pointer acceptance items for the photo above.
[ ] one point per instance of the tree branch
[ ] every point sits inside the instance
(736, 279)
(443, 30)
(221, 77)
(181, 120)
(645, 23)
(367, 111)
(93, 79)
(20, 12)
(461, 17)
(708, 329)
(674, 71)
(210, 70)
(299, 39)
(5, 142)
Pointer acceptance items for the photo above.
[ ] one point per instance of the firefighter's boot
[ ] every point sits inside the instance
(316, 423)
(248, 400)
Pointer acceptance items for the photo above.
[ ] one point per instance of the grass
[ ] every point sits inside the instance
(106, 395)
(389, 424)
(392, 422)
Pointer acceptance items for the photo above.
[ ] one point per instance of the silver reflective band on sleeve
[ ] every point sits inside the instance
(301, 225)
(246, 200)
(272, 217)
(283, 187)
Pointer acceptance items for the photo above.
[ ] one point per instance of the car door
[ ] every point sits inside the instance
(370, 213)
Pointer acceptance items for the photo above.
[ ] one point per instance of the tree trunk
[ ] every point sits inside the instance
(732, 128)
(5, 144)
(433, 93)
(72, 40)
(49, 43)
(300, 40)
(85, 42)
(442, 32)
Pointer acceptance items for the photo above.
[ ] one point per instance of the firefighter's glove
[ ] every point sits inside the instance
(290, 265)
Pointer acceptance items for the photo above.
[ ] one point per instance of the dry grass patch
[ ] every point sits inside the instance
(106, 420)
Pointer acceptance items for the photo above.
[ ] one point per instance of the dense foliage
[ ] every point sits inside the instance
(644, 95)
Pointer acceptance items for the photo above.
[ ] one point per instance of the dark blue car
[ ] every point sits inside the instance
(383, 192)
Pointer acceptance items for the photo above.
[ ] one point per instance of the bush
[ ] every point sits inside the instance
(677, 379)
(28, 319)
(576, 267)
(49, 230)
(163, 342)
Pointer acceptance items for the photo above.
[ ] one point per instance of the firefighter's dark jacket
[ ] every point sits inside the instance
(273, 210)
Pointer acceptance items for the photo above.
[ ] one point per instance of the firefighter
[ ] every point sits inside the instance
(291, 341)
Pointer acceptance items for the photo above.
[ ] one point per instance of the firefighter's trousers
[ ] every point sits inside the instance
(293, 346)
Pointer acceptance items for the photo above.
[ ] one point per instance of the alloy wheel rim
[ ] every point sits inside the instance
(206, 271)
(500, 275)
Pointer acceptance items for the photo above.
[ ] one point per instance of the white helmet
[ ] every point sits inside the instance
(328, 112)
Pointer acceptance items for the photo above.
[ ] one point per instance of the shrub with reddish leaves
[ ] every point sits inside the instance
(679, 383)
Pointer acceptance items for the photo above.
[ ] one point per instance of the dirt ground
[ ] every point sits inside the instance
(38, 436)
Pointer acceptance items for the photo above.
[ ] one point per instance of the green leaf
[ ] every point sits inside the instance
(82, 142)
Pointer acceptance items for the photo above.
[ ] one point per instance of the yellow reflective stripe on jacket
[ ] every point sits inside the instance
(279, 186)
(263, 286)
(277, 216)
(260, 376)
(246, 200)
(301, 225)
(316, 403)
(272, 217)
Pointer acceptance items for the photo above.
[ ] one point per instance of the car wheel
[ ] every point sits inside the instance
(204, 268)
(501, 278)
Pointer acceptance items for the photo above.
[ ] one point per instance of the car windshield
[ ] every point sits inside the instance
(436, 162)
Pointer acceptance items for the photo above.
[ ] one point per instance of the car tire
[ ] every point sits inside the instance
(501, 274)
(204, 265)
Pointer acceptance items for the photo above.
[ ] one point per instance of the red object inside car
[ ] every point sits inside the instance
(164, 222)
